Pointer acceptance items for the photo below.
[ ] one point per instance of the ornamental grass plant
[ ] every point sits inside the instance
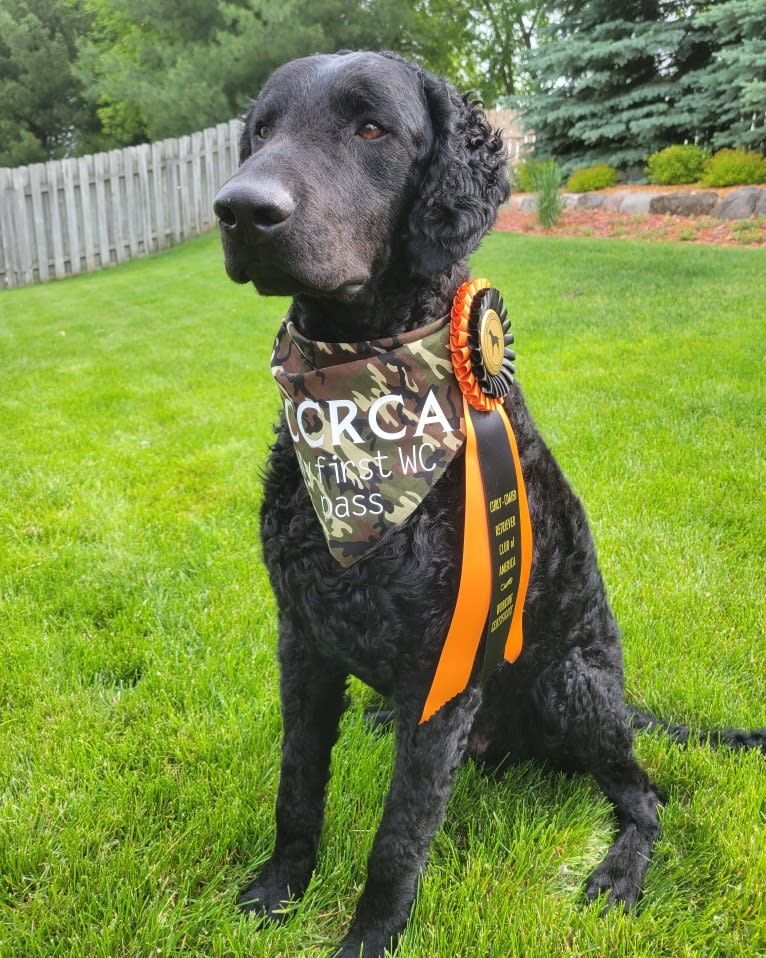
(546, 178)
(139, 712)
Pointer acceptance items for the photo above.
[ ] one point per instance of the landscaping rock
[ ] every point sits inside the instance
(590, 201)
(684, 204)
(613, 201)
(739, 205)
(637, 202)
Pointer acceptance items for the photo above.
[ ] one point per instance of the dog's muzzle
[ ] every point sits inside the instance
(253, 212)
(263, 225)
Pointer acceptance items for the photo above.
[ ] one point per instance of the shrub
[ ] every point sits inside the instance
(734, 167)
(546, 179)
(676, 164)
(592, 178)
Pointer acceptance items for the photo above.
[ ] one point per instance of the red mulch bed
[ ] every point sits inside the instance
(653, 227)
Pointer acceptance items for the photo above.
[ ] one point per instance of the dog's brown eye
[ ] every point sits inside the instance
(370, 131)
(262, 131)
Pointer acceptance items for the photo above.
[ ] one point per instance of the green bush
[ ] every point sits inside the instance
(676, 165)
(592, 178)
(522, 176)
(546, 180)
(734, 167)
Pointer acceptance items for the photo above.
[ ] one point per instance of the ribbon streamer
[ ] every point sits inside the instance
(497, 534)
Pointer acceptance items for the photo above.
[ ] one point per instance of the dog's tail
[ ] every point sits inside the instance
(728, 738)
(382, 718)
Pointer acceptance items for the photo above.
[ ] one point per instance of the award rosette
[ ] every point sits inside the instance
(497, 540)
(480, 341)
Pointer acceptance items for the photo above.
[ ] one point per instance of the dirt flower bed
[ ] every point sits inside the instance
(653, 227)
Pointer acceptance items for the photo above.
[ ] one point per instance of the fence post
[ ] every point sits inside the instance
(20, 224)
(7, 257)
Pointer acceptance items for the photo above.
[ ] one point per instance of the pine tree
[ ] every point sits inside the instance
(726, 102)
(609, 80)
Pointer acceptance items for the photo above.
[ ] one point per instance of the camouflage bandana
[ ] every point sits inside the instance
(375, 424)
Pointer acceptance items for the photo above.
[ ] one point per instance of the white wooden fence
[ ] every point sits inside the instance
(71, 216)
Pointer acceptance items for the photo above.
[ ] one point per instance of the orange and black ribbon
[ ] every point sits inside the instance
(497, 540)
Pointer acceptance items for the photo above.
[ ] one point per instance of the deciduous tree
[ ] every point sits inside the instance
(480, 44)
(156, 69)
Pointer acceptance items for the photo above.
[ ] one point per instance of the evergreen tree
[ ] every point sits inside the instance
(608, 74)
(726, 102)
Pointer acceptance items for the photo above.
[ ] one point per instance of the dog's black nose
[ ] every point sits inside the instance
(253, 207)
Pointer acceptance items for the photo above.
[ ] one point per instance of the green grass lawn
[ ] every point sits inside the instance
(139, 719)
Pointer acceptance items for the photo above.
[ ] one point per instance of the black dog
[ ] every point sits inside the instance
(365, 183)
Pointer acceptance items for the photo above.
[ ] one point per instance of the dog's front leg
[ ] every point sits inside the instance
(427, 758)
(313, 699)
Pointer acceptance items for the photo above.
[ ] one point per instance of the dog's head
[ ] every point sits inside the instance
(353, 161)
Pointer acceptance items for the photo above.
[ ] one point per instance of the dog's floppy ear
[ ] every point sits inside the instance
(462, 186)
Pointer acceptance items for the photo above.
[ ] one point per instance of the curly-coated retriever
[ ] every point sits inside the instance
(365, 182)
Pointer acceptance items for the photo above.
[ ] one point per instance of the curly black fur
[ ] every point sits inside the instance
(369, 234)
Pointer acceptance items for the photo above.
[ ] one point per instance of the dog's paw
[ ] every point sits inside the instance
(616, 889)
(279, 884)
(265, 899)
(370, 945)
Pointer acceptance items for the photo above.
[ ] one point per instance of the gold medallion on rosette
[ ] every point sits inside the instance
(480, 341)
